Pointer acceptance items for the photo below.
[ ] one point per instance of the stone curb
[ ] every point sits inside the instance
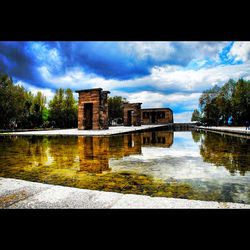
(20, 194)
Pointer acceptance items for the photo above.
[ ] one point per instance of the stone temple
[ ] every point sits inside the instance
(93, 109)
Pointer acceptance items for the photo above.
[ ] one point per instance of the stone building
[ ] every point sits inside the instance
(132, 114)
(156, 116)
(93, 109)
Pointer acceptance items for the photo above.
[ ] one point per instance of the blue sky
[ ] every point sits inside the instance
(158, 74)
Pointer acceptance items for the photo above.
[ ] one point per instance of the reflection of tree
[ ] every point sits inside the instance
(20, 155)
(228, 151)
(82, 161)
(63, 151)
(196, 136)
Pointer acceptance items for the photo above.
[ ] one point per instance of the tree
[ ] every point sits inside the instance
(223, 101)
(241, 102)
(208, 106)
(12, 101)
(63, 109)
(37, 109)
(115, 106)
(55, 106)
(70, 109)
(196, 116)
(231, 101)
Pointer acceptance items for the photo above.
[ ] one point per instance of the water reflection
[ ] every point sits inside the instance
(233, 153)
(95, 152)
(192, 165)
(20, 155)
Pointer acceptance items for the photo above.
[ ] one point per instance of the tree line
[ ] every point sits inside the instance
(26, 110)
(229, 104)
(22, 109)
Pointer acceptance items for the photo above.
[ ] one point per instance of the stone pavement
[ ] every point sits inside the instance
(111, 131)
(16, 194)
(236, 130)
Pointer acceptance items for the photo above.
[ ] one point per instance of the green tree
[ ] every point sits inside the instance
(196, 116)
(115, 107)
(37, 109)
(55, 106)
(208, 106)
(63, 109)
(223, 101)
(217, 105)
(12, 102)
(70, 109)
(241, 102)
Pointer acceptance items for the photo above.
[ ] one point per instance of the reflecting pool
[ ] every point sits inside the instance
(189, 164)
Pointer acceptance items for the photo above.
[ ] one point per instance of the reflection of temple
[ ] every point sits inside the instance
(95, 152)
(157, 139)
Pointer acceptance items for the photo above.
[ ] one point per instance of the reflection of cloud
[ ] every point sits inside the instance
(182, 161)
(155, 153)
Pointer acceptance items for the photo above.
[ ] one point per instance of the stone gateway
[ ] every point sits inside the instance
(132, 114)
(93, 109)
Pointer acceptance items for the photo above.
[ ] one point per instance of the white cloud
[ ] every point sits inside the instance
(241, 51)
(178, 52)
(149, 99)
(164, 78)
(49, 56)
(142, 50)
(195, 80)
(182, 117)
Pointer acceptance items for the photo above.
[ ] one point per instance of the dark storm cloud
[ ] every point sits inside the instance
(104, 59)
(16, 62)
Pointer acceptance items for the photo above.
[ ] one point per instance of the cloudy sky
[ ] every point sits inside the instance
(158, 74)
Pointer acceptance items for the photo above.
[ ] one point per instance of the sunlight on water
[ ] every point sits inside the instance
(190, 164)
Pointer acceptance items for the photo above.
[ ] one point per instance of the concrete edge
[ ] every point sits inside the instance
(21, 194)
(223, 130)
(64, 132)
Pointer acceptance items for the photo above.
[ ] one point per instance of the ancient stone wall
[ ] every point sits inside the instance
(132, 114)
(93, 109)
(156, 116)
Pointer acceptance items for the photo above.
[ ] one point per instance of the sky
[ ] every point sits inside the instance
(156, 73)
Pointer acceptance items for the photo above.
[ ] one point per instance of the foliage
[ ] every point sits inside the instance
(63, 109)
(196, 116)
(18, 106)
(217, 104)
(115, 105)
(12, 102)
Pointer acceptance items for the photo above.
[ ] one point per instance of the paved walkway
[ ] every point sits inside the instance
(236, 130)
(111, 131)
(25, 194)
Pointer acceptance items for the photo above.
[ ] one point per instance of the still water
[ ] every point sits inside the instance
(188, 164)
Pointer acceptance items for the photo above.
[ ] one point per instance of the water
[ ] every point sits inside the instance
(188, 164)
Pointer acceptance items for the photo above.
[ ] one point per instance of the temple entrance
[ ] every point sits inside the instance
(88, 114)
(129, 122)
(153, 117)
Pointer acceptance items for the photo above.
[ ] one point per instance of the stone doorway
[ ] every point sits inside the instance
(132, 114)
(129, 121)
(93, 109)
(88, 115)
(153, 117)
